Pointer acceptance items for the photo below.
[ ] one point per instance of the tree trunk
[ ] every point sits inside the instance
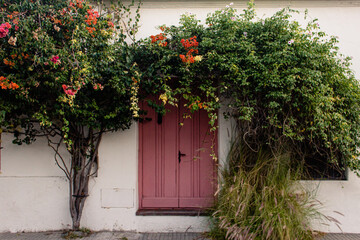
(84, 154)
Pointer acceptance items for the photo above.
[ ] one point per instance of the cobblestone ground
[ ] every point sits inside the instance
(139, 236)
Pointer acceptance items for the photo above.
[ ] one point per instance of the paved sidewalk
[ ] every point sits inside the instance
(104, 236)
(139, 236)
(341, 236)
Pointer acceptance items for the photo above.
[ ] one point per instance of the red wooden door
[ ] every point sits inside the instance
(175, 166)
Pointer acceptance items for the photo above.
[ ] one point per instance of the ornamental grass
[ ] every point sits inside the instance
(261, 198)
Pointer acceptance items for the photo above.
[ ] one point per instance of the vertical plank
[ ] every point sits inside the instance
(186, 147)
(149, 136)
(170, 149)
(196, 154)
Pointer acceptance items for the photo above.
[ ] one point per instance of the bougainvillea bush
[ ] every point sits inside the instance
(285, 85)
(67, 73)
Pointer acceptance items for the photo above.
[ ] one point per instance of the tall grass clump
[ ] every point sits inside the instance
(261, 198)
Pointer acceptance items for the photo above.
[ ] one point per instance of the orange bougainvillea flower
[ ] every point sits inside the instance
(198, 104)
(91, 18)
(182, 57)
(164, 28)
(158, 37)
(25, 56)
(163, 44)
(187, 58)
(91, 30)
(13, 85)
(4, 84)
(9, 63)
(79, 3)
(190, 45)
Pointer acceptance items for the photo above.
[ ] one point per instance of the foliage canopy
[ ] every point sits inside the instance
(287, 86)
(53, 59)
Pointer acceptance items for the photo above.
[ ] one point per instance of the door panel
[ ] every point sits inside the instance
(197, 171)
(166, 179)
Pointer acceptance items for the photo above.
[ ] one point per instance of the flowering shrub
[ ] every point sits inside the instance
(66, 72)
(285, 85)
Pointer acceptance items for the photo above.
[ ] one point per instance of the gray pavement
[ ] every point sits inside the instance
(138, 236)
(341, 236)
(103, 236)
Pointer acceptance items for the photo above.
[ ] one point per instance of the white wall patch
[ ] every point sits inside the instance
(117, 198)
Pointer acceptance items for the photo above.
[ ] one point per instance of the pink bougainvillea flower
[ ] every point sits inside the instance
(55, 59)
(68, 90)
(110, 24)
(98, 86)
(3, 32)
(4, 29)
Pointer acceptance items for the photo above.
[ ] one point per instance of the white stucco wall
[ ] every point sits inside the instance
(34, 191)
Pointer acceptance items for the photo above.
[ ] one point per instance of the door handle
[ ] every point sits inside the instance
(181, 155)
